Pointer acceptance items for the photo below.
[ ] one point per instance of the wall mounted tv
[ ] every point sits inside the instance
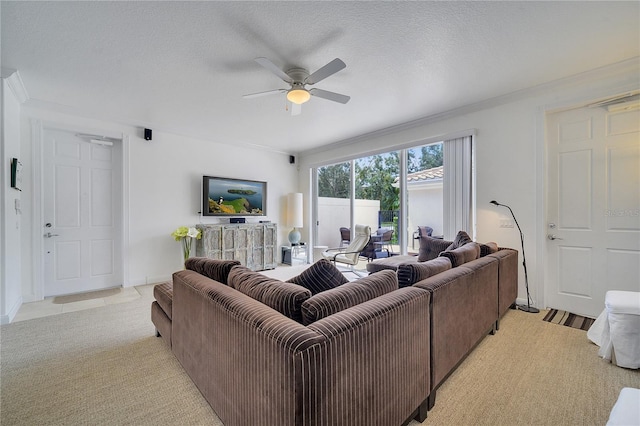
(233, 197)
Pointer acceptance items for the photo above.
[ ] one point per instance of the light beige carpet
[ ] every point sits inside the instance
(104, 366)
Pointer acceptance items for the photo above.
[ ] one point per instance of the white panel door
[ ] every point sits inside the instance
(593, 207)
(81, 226)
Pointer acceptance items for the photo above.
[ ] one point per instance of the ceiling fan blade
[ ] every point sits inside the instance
(324, 72)
(274, 69)
(332, 96)
(296, 109)
(268, 92)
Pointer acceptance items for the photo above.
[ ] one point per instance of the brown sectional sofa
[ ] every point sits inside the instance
(380, 361)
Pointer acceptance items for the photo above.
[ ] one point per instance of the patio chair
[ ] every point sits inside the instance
(350, 254)
(383, 240)
(345, 236)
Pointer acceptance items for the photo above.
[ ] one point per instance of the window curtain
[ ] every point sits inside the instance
(457, 187)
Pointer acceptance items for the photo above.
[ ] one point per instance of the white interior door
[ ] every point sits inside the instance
(81, 211)
(593, 207)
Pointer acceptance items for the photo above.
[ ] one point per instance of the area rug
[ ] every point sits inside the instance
(568, 319)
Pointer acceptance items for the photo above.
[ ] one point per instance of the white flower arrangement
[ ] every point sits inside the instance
(186, 235)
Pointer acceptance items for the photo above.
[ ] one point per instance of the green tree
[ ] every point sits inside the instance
(431, 156)
(375, 178)
(334, 181)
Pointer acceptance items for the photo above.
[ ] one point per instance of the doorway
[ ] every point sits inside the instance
(82, 209)
(593, 207)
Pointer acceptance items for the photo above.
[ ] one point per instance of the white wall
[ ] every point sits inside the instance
(10, 279)
(334, 213)
(425, 208)
(509, 154)
(163, 191)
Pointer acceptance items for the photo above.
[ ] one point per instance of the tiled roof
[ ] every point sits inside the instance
(426, 175)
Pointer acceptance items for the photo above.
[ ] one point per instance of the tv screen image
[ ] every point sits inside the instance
(233, 197)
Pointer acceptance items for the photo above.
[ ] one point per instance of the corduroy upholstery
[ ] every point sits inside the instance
(411, 273)
(162, 322)
(365, 365)
(431, 247)
(215, 269)
(285, 298)
(507, 280)
(390, 263)
(163, 294)
(459, 240)
(488, 248)
(320, 276)
(463, 254)
(161, 310)
(463, 310)
(347, 295)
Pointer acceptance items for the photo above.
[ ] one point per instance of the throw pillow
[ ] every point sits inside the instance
(488, 248)
(347, 295)
(286, 298)
(462, 255)
(461, 239)
(321, 276)
(431, 247)
(411, 273)
(215, 269)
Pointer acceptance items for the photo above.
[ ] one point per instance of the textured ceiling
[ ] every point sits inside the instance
(183, 66)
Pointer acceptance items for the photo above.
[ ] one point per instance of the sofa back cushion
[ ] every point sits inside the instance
(488, 248)
(286, 298)
(321, 276)
(461, 239)
(462, 255)
(217, 270)
(431, 247)
(347, 295)
(411, 273)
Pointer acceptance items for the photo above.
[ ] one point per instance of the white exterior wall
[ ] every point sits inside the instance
(333, 213)
(425, 208)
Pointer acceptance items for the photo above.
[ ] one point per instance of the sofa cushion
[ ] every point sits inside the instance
(217, 270)
(411, 273)
(285, 298)
(390, 263)
(461, 239)
(164, 296)
(431, 247)
(321, 276)
(488, 248)
(347, 295)
(462, 255)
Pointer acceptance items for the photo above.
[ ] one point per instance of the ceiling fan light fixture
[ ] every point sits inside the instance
(298, 96)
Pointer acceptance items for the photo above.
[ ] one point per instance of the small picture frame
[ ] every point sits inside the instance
(16, 174)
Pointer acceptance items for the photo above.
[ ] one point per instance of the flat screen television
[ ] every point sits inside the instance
(233, 197)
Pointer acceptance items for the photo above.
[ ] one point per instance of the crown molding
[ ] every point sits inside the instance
(16, 84)
(623, 67)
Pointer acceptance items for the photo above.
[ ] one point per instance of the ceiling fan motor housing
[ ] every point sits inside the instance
(298, 75)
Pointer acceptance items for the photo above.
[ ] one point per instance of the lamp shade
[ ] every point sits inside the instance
(294, 210)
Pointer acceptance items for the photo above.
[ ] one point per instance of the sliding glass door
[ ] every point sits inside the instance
(333, 204)
(426, 186)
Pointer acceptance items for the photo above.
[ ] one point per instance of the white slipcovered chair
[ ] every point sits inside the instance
(617, 329)
(350, 254)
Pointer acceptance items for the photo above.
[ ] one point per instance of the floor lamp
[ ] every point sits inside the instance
(294, 216)
(527, 308)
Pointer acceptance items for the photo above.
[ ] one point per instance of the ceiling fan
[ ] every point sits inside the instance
(298, 79)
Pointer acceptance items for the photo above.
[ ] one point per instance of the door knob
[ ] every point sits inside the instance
(553, 237)
(49, 235)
